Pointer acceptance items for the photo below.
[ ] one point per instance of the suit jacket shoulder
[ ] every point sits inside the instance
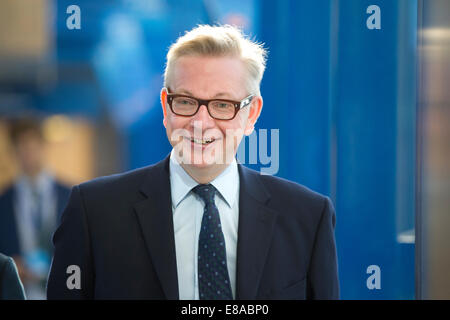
(292, 200)
(10, 286)
(6, 197)
(116, 188)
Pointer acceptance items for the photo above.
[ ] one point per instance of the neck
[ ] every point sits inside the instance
(32, 174)
(204, 175)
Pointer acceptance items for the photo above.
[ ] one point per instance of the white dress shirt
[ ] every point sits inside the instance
(26, 205)
(187, 210)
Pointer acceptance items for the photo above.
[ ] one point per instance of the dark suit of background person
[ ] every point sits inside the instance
(121, 236)
(9, 238)
(10, 286)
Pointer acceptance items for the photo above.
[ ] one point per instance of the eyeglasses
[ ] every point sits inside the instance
(220, 109)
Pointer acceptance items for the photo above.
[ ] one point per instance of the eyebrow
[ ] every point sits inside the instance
(218, 95)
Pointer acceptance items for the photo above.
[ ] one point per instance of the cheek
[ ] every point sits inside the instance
(233, 130)
(238, 123)
(229, 127)
(174, 122)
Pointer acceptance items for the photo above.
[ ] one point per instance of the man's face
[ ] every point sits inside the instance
(30, 153)
(201, 141)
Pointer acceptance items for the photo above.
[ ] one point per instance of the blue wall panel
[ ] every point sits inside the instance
(332, 87)
(295, 87)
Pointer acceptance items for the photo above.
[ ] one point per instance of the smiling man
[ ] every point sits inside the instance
(206, 138)
(198, 225)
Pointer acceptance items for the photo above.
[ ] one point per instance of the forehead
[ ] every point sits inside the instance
(205, 77)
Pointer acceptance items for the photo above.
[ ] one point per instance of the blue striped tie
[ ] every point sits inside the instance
(213, 278)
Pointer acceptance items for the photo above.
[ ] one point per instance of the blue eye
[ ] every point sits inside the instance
(184, 101)
(222, 105)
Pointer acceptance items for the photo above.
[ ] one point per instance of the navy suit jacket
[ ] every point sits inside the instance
(9, 238)
(119, 231)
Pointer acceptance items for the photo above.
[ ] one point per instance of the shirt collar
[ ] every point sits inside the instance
(181, 183)
(43, 181)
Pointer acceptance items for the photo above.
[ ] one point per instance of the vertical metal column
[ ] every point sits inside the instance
(434, 152)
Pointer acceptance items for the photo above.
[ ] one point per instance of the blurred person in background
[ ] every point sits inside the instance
(11, 287)
(30, 208)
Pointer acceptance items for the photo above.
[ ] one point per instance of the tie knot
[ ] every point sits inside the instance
(206, 192)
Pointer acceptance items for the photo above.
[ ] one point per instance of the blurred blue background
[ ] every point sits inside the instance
(342, 96)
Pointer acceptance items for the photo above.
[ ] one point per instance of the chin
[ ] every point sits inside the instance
(200, 166)
(201, 160)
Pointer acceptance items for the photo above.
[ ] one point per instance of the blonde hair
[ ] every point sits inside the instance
(226, 40)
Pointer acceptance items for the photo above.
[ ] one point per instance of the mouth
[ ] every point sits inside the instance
(203, 142)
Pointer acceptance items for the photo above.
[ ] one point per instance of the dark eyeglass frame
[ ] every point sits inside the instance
(238, 105)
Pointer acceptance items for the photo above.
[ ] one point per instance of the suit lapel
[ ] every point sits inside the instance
(155, 217)
(256, 224)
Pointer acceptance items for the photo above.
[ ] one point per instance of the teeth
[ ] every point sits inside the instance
(202, 141)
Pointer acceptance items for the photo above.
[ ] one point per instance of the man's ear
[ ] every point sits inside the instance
(163, 97)
(255, 111)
